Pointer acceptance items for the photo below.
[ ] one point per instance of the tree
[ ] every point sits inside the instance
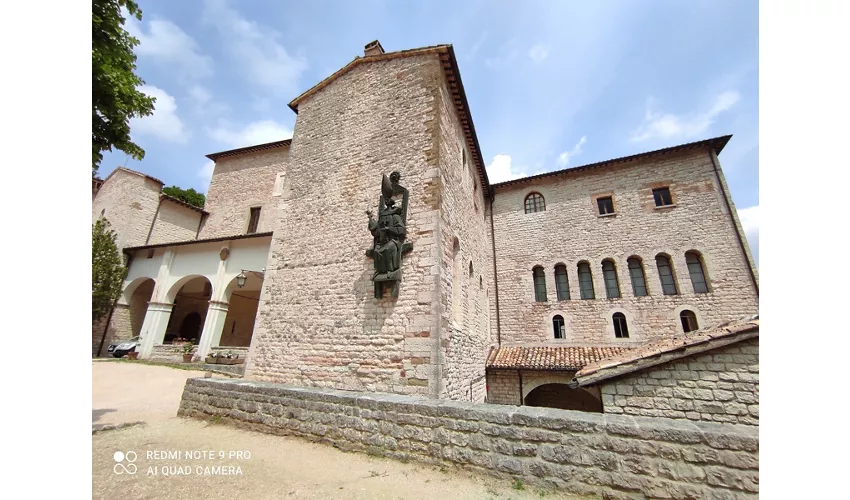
(115, 94)
(107, 269)
(190, 196)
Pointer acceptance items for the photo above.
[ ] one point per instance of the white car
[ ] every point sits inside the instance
(120, 348)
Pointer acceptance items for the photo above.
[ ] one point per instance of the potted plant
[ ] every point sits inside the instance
(187, 352)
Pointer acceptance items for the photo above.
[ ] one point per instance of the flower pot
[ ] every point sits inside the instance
(187, 358)
(132, 355)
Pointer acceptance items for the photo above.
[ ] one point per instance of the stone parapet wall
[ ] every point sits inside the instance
(614, 456)
(172, 353)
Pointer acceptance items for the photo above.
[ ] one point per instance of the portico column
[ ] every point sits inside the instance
(153, 329)
(213, 326)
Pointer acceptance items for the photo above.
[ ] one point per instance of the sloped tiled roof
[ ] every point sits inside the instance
(667, 350)
(549, 358)
(249, 149)
(181, 202)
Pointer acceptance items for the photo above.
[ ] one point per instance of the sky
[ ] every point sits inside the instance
(550, 85)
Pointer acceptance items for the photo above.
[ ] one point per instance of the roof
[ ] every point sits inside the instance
(192, 242)
(181, 202)
(548, 358)
(455, 85)
(125, 169)
(716, 143)
(249, 149)
(667, 350)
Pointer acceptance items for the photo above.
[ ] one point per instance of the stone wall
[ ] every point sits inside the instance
(129, 201)
(614, 456)
(239, 183)
(466, 255)
(241, 314)
(570, 231)
(319, 323)
(720, 385)
(174, 222)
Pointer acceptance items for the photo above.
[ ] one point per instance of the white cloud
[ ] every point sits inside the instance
(507, 54)
(164, 122)
(257, 132)
(200, 94)
(205, 175)
(501, 170)
(169, 45)
(658, 125)
(564, 158)
(539, 52)
(264, 61)
(751, 221)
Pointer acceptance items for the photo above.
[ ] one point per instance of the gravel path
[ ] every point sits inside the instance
(277, 467)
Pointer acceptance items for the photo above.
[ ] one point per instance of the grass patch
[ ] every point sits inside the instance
(518, 484)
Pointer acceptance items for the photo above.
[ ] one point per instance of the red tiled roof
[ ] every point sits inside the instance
(249, 149)
(669, 349)
(192, 242)
(549, 358)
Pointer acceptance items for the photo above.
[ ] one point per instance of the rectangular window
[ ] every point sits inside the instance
(254, 221)
(606, 205)
(662, 197)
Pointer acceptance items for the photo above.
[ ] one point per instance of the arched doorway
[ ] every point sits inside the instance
(563, 397)
(191, 302)
(241, 311)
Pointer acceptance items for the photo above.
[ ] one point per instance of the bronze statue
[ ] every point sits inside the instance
(388, 234)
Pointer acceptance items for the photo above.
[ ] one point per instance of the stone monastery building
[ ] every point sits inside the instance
(520, 292)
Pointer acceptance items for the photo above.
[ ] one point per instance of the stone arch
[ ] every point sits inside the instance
(179, 284)
(560, 395)
(130, 288)
(191, 298)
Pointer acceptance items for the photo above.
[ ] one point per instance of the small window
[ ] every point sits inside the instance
(612, 285)
(662, 197)
(696, 271)
(481, 282)
(606, 205)
(562, 284)
(621, 328)
(689, 321)
(638, 277)
(255, 220)
(470, 269)
(534, 202)
(539, 284)
(585, 281)
(558, 326)
(665, 273)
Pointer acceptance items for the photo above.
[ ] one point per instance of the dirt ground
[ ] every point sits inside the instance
(261, 466)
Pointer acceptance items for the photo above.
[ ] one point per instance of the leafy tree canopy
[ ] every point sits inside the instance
(107, 269)
(190, 196)
(116, 97)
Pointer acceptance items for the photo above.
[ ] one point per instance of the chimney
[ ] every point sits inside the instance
(373, 49)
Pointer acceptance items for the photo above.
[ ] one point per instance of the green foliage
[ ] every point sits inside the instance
(107, 269)
(115, 95)
(518, 484)
(190, 196)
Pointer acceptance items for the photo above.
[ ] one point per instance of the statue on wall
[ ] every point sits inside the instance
(388, 235)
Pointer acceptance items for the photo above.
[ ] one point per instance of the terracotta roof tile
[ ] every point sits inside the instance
(668, 349)
(549, 358)
(249, 149)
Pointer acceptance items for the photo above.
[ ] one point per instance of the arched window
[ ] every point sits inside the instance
(585, 281)
(621, 329)
(562, 284)
(638, 277)
(558, 326)
(470, 269)
(612, 286)
(539, 284)
(534, 202)
(689, 321)
(665, 273)
(696, 272)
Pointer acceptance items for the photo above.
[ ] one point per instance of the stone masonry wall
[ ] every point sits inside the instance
(239, 183)
(465, 290)
(241, 315)
(570, 231)
(610, 456)
(174, 222)
(720, 385)
(319, 323)
(129, 202)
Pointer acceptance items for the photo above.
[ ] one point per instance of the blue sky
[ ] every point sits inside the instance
(550, 84)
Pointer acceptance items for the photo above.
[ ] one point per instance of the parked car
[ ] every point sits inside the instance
(122, 347)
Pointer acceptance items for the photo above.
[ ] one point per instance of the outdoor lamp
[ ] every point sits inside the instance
(240, 279)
